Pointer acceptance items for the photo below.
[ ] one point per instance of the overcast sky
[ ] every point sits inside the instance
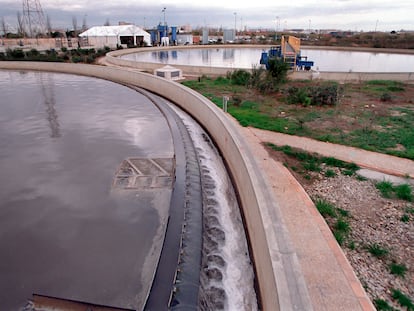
(367, 15)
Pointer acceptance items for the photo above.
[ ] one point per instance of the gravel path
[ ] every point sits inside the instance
(373, 219)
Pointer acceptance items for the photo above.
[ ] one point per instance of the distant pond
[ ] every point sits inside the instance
(247, 58)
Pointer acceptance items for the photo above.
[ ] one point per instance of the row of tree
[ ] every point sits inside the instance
(43, 29)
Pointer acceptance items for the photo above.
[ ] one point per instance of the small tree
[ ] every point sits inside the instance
(278, 70)
(20, 24)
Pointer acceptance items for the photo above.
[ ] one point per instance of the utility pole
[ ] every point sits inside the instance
(235, 24)
(33, 17)
(163, 10)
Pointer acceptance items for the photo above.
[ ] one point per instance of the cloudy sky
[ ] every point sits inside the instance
(367, 15)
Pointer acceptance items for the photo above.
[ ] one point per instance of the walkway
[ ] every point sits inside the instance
(366, 159)
(331, 281)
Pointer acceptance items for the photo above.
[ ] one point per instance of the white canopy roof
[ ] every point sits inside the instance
(114, 31)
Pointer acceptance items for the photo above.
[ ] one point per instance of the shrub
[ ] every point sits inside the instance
(385, 97)
(240, 77)
(278, 69)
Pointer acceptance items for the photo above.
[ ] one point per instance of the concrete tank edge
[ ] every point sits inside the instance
(275, 280)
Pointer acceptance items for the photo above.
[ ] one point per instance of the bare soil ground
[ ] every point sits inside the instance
(372, 220)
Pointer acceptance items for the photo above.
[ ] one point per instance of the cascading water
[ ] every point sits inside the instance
(227, 278)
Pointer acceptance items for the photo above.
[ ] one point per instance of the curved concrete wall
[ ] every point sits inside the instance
(278, 273)
(114, 59)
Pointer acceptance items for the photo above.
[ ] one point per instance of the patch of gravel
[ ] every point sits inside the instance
(373, 219)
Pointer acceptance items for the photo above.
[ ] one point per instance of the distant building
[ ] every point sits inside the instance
(112, 36)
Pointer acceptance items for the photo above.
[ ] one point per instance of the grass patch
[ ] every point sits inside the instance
(325, 208)
(403, 192)
(376, 132)
(377, 250)
(382, 305)
(312, 162)
(388, 190)
(403, 299)
(330, 173)
(380, 86)
(398, 269)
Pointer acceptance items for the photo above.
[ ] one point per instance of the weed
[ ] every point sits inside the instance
(386, 188)
(352, 245)
(347, 172)
(325, 208)
(330, 173)
(398, 269)
(403, 192)
(342, 226)
(409, 210)
(377, 251)
(381, 304)
(361, 178)
(405, 218)
(402, 299)
(343, 212)
(339, 236)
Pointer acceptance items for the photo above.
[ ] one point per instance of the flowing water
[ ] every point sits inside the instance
(227, 279)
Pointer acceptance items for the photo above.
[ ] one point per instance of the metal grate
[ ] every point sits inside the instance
(144, 173)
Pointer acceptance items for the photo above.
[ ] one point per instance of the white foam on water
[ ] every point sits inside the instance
(238, 275)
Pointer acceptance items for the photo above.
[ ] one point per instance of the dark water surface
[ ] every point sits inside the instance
(63, 231)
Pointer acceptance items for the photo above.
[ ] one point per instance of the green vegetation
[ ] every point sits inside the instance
(326, 94)
(384, 86)
(75, 55)
(312, 162)
(336, 219)
(388, 190)
(381, 304)
(398, 269)
(377, 250)
(259, 100)
(403, 299)
(325, 208)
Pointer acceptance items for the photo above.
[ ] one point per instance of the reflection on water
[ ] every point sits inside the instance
(63, 232)
(48, 93)
(247, 58)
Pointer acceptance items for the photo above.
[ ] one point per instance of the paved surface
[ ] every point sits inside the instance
(331, 281)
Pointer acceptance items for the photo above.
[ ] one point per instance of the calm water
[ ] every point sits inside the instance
(63, 232)
(325, 60)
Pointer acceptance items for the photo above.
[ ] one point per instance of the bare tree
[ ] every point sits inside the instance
(75, 24)
(84, 24)
(107, 23)
(3, 27)
(49, 26)
(20, 24)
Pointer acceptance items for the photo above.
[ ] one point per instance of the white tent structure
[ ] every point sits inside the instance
(112, 36)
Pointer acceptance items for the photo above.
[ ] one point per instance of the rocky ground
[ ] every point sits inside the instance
(372, 220)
